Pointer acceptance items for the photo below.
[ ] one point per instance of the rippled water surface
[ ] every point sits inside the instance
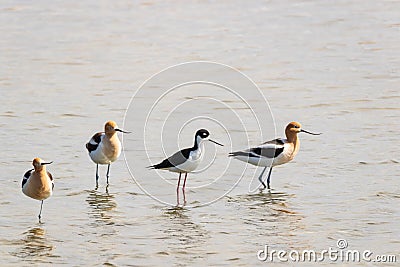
(67, 67)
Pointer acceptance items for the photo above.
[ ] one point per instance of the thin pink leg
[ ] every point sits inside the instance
(184, 182)
(179, 181)
(184, 197)
(177, 190)
(183, 189)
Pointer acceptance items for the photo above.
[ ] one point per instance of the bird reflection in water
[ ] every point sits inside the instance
(272, 204)
(271, 216)
(35, 245)
(264, 198)
(102, 206)
(184, 239)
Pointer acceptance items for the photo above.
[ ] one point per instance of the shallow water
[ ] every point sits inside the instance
(66, 68)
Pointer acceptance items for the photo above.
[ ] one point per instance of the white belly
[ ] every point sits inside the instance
(100, 156)
(190, 164)
(264, 162)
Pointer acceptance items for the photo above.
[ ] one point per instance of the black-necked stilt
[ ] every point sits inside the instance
(188, 159)
(38, 183)
(275, 152)
(105, 147)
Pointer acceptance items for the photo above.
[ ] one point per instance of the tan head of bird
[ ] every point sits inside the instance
(38, 163)
(293, 128)
(109, 127)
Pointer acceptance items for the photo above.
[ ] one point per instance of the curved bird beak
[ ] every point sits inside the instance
(119, 130)
(46, 163)
(215, 142)
(304, 131)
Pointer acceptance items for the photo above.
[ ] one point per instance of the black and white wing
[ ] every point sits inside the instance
(277, 142)
(175, 160)
(270, 149)
(94, 142)
(51, 179)
(26, 177)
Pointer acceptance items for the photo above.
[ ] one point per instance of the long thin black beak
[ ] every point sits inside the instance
(215, 142)
(46, 163)
(304, 131)
(119, 130)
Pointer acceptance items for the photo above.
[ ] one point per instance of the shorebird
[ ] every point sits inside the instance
(105, 147)
(273, 153)
(38, 183)
(188, 159)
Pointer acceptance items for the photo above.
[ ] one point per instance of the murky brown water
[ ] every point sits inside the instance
(66, 68)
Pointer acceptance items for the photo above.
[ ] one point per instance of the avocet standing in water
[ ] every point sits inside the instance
(273, 153)
(38, 183)
(188, 159)
(105, 147)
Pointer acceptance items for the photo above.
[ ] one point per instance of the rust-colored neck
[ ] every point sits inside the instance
(40, 169)
(291, 136)
(110, 134)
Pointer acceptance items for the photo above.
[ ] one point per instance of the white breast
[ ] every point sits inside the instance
(194, 160)
(286, 156)
(107, 152)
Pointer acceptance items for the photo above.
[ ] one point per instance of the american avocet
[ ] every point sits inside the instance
(38, 183)
(105, 147)
(188, 159)
(273, 153)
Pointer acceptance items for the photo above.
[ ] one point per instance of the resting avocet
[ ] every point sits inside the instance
(38, 183)
(188, 159)
(273, 153)
(105, 147)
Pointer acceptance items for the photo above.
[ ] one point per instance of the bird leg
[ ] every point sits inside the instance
(269, 177)
(184, 197)
(177, 190)
(183, 190)
(40, 212)
(97, 176)
(184, 182)
(260, 178)
(179, 181)
(108, 171)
